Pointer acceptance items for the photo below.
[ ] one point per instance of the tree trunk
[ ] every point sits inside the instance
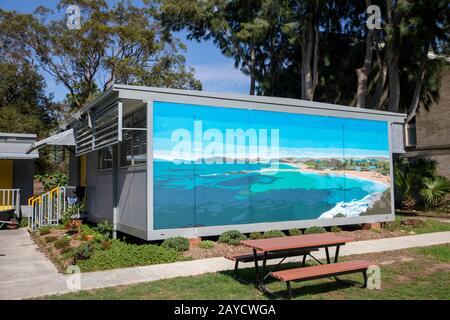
(394, 85)
(310, 48)
(363, 72)
(393, 58)
(419, 84)
(306, 63)
(252, 71)
(315, 59)
(377, 99)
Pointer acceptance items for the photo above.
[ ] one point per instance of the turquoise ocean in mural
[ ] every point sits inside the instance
(325, 167)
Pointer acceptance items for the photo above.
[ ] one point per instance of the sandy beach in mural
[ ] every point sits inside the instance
(370, 175)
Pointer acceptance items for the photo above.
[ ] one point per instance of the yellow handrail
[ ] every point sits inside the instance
(30, 199)
(38, 198)
(54, 190)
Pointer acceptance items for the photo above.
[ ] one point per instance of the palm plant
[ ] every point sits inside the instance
(410, 177)
(435, 190)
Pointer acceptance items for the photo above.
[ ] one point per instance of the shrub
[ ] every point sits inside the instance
(50, 239)
(62, 243)
(123, 255)
(255, 235)
(311, 230)
(44, 230)
(418, 184)
(54, 180)
(105, 229)
(105, 245)
(435, 190)
(232, 237)
(71, 213)
(273, 234)
(88, 231)
(294, 232)
(336, 229)
(83, 252)
(206, 244)
(179, 244)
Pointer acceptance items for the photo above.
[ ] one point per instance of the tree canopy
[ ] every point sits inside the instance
(121, 43)
(322, 49)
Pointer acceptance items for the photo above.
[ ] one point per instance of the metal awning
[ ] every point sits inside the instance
(65, 138)
(14, 146)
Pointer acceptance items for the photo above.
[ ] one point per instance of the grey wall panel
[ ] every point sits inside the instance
(124, 196)
(398, 145)
(132, 191)
(23, 178)
(91, 177)
(139, 217)
(104, 196)
(99, 191)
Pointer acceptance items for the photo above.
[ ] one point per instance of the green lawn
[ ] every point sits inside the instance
(428, 226)
(421, 273)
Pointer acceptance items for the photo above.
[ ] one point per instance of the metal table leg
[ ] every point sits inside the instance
(328, 255)
(255, 254)
(336, 258)
(336, 255)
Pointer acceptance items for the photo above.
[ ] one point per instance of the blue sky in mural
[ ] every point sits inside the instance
(299, 135)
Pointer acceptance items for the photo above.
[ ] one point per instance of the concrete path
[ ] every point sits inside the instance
(30, 274)
(24, 271)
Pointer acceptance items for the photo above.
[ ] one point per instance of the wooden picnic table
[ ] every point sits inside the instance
(284, 244)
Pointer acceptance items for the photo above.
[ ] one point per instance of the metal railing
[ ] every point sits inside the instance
(47, 208)
(10, 199)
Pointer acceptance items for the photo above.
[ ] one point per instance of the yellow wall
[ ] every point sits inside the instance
(83, 181)
(6, 174)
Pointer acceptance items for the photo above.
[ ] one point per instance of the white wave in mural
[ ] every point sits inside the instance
(352, 208)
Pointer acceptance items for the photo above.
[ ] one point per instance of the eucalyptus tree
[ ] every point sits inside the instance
(233, 26)
(119, 43)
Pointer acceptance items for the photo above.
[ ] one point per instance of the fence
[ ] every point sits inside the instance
(10, 199)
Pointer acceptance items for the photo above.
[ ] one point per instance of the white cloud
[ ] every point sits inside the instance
(222, 78)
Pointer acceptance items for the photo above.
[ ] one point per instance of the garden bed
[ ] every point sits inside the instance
(65, 248)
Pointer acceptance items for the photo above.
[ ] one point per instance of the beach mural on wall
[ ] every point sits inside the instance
(217, 166)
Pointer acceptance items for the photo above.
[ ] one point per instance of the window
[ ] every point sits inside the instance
(133, 149)
(104, 158)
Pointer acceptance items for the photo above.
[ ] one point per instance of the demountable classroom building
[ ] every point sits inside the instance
(163, 162)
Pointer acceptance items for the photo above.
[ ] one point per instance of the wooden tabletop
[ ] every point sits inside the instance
(296, 242)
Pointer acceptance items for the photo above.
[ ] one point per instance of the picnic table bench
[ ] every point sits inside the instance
(321, 271)
(264, 249)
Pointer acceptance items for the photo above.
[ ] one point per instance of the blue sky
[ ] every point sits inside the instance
(216, 72)
(299, 135)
